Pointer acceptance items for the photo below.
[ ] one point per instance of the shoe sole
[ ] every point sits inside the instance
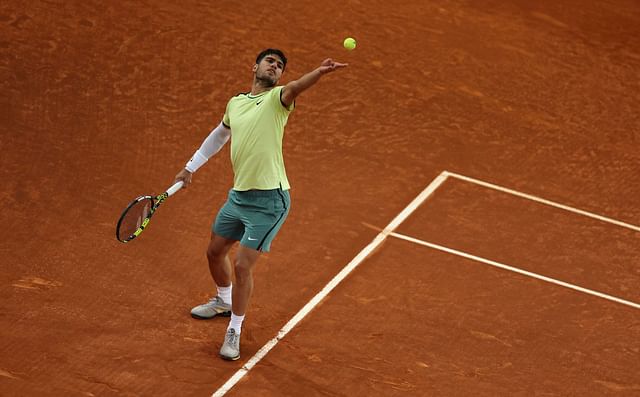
(230, 358)
(223, 314)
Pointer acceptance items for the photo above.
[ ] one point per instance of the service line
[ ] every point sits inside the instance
(516, 270)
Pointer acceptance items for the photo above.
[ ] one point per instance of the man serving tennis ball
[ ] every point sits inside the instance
(259, 201)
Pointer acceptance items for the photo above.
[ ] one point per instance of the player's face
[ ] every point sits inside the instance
(269, 70)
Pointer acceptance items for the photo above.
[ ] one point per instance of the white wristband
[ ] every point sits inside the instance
(196, 162)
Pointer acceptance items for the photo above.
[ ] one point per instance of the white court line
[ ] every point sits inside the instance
(543, 201)
(331, 285)
(515, 270)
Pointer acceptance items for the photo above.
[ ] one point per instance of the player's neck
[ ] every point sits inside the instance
(259, 87)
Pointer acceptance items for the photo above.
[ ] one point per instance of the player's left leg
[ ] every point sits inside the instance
(263, 213)
(244, 263)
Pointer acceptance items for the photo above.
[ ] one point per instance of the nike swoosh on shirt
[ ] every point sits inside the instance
(252, 239)
(258, 103)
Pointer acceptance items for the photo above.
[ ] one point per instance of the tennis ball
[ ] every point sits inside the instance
(349, 43)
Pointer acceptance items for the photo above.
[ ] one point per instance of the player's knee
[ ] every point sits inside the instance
(215, 253)
(242, 270)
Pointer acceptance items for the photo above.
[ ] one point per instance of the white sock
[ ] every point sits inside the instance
(236, 322)
(225, 294)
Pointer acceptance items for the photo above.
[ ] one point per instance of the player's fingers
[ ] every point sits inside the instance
(185, 181)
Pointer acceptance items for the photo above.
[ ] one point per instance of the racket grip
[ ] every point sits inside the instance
(177, 186)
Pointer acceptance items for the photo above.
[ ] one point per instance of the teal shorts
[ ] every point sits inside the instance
(253, 217)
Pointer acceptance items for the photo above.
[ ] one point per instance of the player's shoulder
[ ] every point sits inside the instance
(277, 96)
(275, 93)
(238, 98)
(241, 95)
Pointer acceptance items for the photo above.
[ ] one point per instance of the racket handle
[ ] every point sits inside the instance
(177, 186)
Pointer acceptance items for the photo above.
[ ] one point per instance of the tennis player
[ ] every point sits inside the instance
(259, 201)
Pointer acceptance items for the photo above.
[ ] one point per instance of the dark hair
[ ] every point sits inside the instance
(274, 51)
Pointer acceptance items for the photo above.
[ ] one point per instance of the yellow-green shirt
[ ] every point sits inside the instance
(257, 128)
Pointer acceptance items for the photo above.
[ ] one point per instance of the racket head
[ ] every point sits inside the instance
(134, 218)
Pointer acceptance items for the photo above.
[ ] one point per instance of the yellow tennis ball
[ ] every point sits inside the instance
(349, 43)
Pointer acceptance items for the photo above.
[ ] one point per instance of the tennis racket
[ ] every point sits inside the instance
(136, 216)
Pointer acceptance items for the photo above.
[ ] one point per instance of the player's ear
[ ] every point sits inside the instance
(255, 68)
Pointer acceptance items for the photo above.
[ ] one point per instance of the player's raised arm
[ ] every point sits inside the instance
(291, 91)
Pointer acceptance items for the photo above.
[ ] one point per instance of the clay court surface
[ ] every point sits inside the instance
(103, 102)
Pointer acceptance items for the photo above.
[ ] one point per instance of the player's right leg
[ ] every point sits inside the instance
(220, 268)
(218, 257)
(226, 230)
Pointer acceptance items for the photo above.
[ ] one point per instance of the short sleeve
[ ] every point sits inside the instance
(277, 101)
(225, 119)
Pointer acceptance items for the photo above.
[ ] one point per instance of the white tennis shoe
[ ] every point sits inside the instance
(230, 349)
(215, 307)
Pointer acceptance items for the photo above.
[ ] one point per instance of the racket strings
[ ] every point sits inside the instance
(134, 218)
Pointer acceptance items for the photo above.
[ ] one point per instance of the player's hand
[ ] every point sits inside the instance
(328, 66)
(184, 176)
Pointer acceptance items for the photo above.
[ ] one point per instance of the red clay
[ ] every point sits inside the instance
(101, 103)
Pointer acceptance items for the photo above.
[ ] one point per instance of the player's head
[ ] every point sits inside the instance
(272, 51)
(270, 65)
